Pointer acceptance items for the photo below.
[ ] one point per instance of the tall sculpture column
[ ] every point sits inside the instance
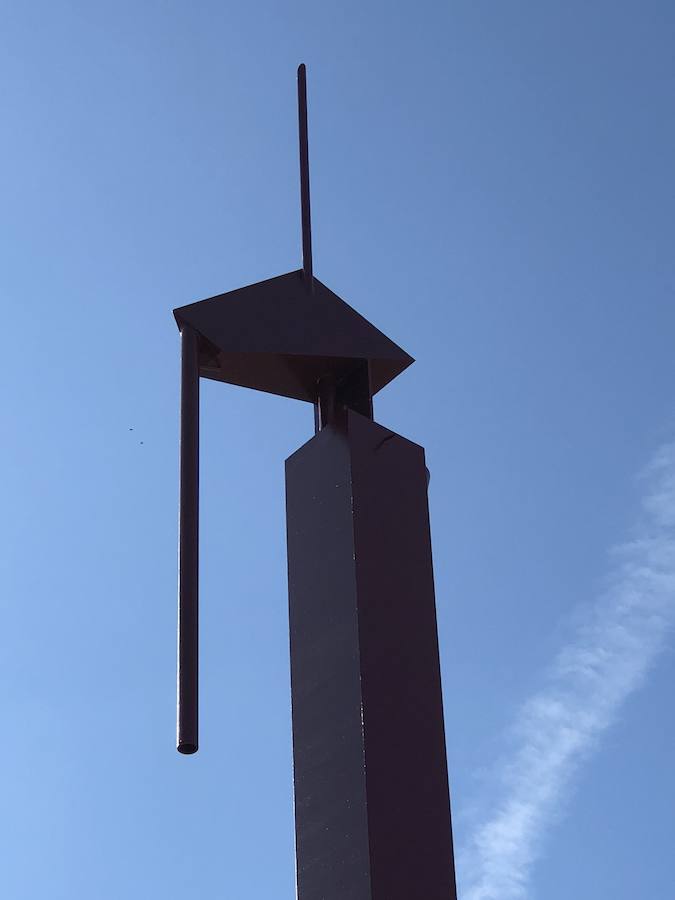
(372, 809)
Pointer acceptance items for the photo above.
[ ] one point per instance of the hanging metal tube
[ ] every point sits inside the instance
(188, 563)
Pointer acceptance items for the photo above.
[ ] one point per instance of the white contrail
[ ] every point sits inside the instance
(621, 635)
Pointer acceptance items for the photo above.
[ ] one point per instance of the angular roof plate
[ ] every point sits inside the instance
(278, 336)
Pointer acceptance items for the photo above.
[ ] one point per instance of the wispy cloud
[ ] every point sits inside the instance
(618, 639)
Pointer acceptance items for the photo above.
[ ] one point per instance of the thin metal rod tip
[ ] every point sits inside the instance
(306, 216)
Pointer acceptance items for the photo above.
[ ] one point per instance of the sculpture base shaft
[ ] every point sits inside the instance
(370, 775)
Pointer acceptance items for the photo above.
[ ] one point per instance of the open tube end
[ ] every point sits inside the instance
(186, 748)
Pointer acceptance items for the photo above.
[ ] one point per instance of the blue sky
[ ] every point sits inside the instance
(492, 186)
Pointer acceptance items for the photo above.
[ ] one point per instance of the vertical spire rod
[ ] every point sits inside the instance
(304, 177)
(188, 546)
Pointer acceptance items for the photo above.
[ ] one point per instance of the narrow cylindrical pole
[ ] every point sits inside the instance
(188, 563)
(327, 402)
(304, 177)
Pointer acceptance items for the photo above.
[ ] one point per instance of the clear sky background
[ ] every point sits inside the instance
(493, 187)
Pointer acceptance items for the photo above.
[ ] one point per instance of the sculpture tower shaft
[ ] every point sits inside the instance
(371, 785)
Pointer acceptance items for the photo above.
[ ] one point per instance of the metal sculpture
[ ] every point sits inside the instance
(370, 775)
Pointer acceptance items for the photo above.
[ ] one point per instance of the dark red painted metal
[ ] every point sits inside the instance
(370, 773)
(371, 786)
(188, 546)
(304, 177)
(279, 337)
